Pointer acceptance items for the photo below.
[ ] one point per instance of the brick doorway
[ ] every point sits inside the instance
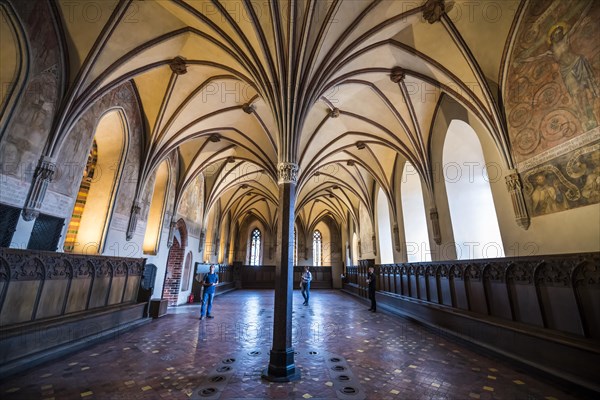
(174, 269)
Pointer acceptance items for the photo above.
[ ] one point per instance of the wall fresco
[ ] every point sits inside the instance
(569, 181)
(553, 103)
(30, 123)
(191, 205)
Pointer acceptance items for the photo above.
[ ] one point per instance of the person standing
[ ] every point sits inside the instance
(305, 284)
(371, 281)
(209, 282)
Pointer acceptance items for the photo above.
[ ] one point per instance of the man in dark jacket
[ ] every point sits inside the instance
(371, 281)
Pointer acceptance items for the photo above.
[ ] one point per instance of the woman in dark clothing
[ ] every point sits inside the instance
(372, 282)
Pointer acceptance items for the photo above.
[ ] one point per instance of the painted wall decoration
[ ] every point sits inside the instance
(569, 181)
(191, 205)
(30, 122)
(552, 103)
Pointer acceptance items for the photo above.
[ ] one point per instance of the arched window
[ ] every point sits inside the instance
(472, 210)
(96, 199)
(355, 249)
(187, 269)
(317, 249)
(255, 247)
(157, 209)
(413, 212)
(13, 72)
(384, 229)
(84, 188)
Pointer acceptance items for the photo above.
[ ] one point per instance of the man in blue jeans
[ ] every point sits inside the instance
(305, 284)
(209, 282)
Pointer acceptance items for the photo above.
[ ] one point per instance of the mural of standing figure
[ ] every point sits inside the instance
(575, 70)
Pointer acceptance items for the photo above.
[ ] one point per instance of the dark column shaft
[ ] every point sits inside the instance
(281, 363)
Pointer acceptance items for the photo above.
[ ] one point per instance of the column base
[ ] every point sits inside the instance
(281, 367)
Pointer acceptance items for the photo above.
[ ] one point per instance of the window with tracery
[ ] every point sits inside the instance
(255, 247)
(317, 249)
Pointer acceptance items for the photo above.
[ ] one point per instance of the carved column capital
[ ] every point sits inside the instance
(201, 241)
(133, 220)
(374, 240)
(172, 227)
(515, 188)
(44, 172)
(396, 231)
(287, 173)
(335, 113)
(435, 225)
(433, 10)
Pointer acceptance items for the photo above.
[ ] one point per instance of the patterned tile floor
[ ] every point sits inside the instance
(173, 356)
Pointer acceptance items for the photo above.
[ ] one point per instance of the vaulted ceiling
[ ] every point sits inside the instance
(347, 89)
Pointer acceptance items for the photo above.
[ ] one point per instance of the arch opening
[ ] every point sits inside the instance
(386, 254)
(472, 211)
(413, 213)
(91, 215)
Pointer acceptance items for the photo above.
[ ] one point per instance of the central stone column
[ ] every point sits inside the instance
(281, 362)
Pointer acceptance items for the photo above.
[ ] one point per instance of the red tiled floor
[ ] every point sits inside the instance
(390, 358)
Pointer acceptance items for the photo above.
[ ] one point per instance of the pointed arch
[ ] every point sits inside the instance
(255, 247)
(413, 213)
(15, 63)
(317, 248)
(384, 229)
(111, 139)
(157, 209)
(472, 211)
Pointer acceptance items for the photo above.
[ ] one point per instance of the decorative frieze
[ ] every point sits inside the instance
(552, 275)
(520, 273)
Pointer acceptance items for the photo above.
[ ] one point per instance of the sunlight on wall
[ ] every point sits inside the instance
(157, 207)
(474, 220)
(384, 229)
(325, 243)
(413, 212)
(355, 249)
(111, 137)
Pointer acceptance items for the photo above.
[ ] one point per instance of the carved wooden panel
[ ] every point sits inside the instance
(559, 292)
(36, 284)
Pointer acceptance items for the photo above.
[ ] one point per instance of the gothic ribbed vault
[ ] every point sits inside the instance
(348, 90)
